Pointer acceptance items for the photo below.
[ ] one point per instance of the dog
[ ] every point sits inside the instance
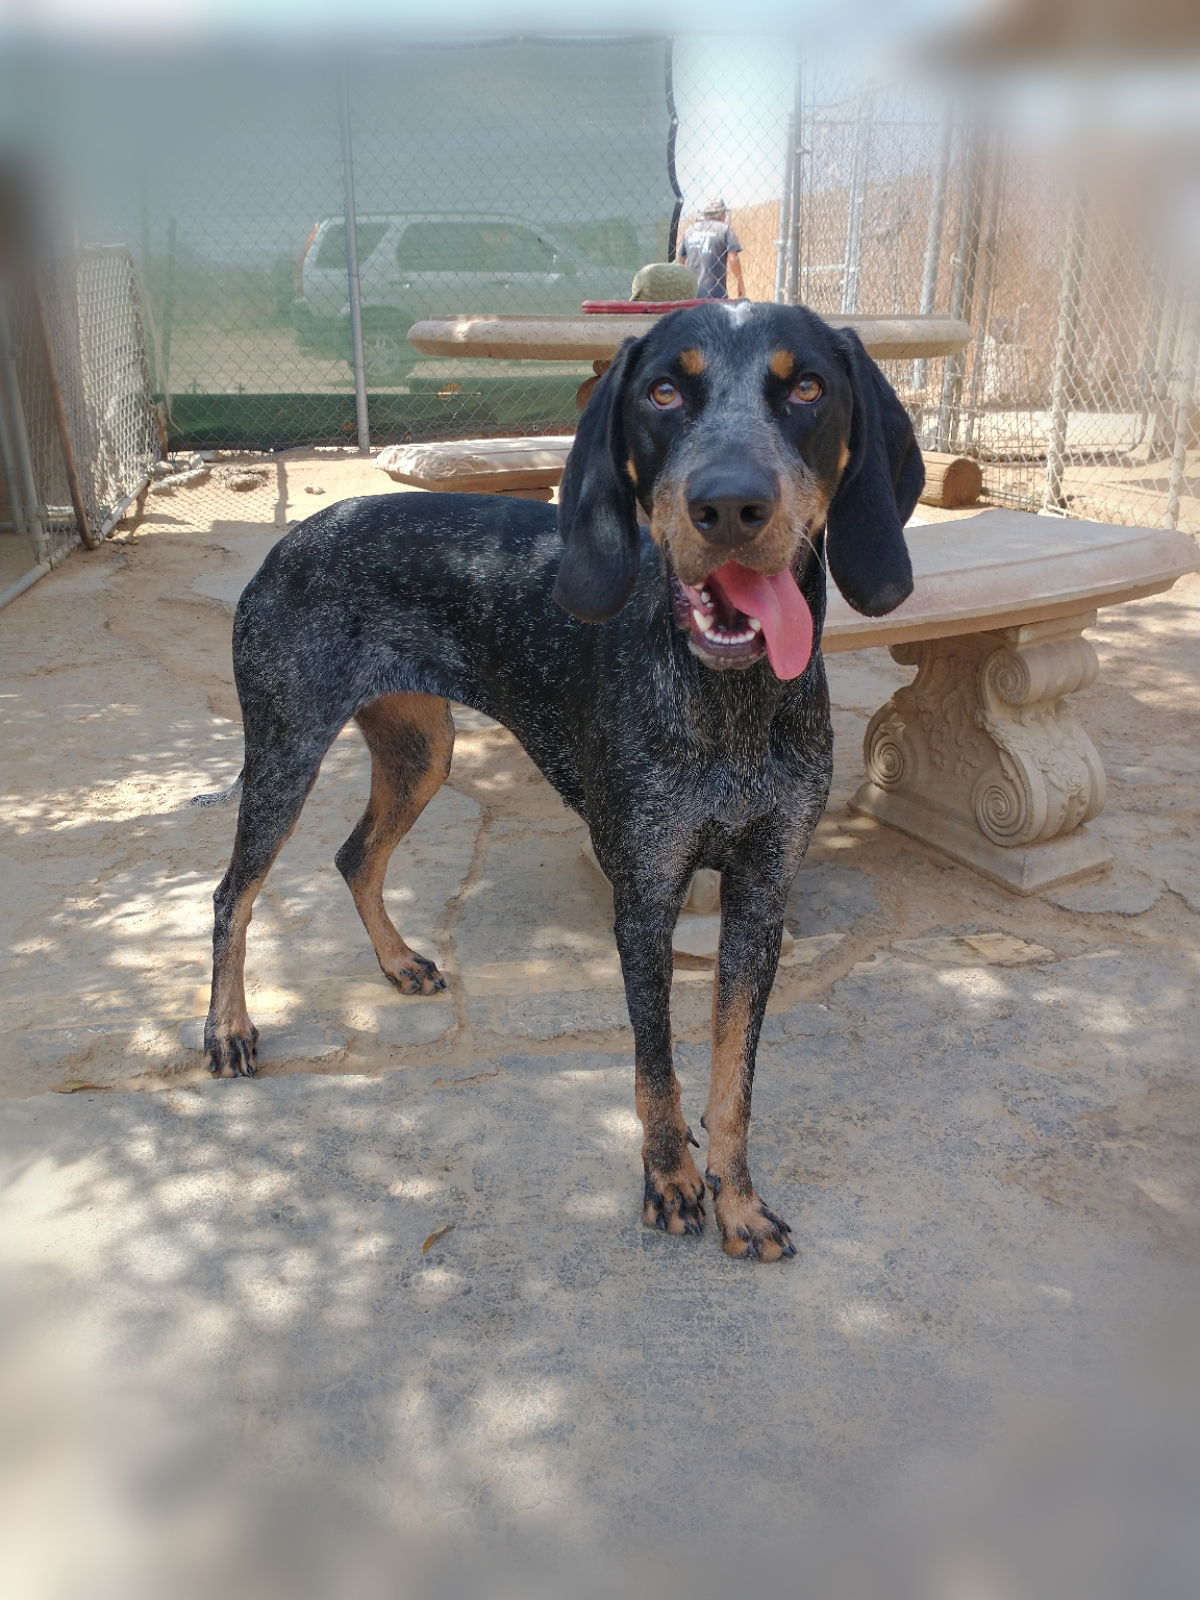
(666, 678)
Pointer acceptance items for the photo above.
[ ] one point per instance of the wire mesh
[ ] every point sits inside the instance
(526, 175)
(52, 510)
(103, 363)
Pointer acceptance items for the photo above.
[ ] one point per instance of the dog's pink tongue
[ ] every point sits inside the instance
(776, 601)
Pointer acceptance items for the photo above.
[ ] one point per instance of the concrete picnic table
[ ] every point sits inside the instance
(583, 337)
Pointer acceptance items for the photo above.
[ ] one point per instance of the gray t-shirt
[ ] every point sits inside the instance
(706, 245)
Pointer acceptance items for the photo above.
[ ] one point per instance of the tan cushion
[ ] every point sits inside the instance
(483, 465)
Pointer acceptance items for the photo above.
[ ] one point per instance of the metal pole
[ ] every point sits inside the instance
(797, 194)
(1165, 340)
(8, 463)
(860, 177)
(785, 212)
(989, 247)
(962, 289)
(168, 310)
(351, 216)
(1069, 298)
(933, 237)
(83, 521)
(1184, 401)
(19, 440)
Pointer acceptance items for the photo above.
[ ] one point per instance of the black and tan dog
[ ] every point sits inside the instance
(668, 684)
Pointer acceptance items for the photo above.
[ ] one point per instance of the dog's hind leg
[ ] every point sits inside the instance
(411, 740)
(276, 781)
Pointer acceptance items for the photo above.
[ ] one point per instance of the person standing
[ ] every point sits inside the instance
(709, 248)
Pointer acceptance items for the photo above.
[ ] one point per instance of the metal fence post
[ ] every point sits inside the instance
(784, 227)
(8, 465)
(933, 238)
(791, 292)
(1070, 295)
(18, 441)
(351, 219)
(1184, 401)
(962, 289)
(859, 181)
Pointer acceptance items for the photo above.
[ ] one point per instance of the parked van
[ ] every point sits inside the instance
(427, 264)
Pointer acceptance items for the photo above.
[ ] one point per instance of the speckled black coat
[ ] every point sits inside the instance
(755, 434)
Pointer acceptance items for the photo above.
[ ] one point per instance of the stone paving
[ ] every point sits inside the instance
(401, 1278)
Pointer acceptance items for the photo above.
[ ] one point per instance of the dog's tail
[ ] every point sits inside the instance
(220, 797)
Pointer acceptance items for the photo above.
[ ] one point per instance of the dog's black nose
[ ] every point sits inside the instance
(731, 505)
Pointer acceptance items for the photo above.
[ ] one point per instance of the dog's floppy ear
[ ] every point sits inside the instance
(879, 488)
(597, 513)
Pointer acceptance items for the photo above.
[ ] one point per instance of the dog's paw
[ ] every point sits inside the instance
(748, 1227)
(674, 1201)
(414, 974)
(232, 1053)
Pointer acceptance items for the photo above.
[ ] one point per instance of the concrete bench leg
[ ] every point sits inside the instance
(982, 758)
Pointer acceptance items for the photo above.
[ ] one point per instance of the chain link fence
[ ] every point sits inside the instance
(528, 175)
(78, 425)
(1078, 392)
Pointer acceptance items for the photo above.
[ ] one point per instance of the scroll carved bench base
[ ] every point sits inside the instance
(982, 758)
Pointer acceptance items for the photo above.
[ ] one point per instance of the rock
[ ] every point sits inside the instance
(1179, 864)
(242, 481)
(549, 1016)
(404, 1020)
(807, 1020)
(294, 1041)
(1126, 892)
(828, 898)
(970, 949)
(700, 936)
(805, 952)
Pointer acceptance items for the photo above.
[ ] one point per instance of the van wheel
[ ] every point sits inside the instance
(387, 354)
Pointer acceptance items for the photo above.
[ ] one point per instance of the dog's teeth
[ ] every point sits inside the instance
(706, 597)
(702, 622)
(755, 625)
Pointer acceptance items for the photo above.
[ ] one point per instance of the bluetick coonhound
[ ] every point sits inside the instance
(666, 679)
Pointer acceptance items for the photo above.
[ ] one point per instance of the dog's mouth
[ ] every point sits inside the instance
(736, 616)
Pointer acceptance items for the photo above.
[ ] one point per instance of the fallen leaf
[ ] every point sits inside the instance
(81, 1085)
(438, 1233)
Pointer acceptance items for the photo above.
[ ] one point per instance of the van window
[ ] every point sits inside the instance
(332, 252)
(437, 247)
(472, 247)
(516, 250)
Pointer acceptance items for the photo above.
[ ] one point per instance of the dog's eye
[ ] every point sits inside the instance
(665, 395)
(805, 391)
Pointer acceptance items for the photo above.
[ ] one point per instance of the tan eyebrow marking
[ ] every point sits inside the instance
(692, 362)
(782, 363)
(631, 470)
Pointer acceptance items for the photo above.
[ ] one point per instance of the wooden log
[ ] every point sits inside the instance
(951, 481)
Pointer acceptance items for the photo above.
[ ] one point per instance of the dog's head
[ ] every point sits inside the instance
(742, 431)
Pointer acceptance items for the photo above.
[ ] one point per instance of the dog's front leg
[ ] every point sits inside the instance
(644, 923)
(752, 907)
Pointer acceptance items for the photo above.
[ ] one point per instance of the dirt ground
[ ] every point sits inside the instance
(352, 1321)
(119, 706)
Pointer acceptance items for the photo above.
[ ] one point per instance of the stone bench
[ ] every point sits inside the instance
(527, 469)
(981, 755)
